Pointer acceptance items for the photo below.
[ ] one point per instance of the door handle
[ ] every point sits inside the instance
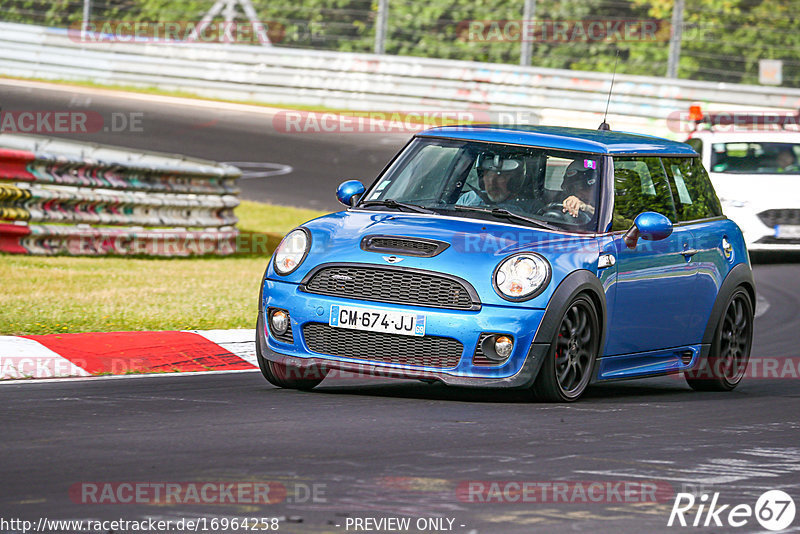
(688, 253)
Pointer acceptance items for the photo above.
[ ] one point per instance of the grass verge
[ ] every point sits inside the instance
(47, 295)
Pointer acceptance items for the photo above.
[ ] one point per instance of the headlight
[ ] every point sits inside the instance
(522, 276)
(292, 251)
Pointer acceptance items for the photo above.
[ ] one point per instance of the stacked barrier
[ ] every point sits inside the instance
(64, 197)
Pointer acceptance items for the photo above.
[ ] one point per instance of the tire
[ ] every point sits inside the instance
(730, 349)
(569, 365)
(286, 376)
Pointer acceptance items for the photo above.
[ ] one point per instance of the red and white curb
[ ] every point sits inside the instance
(136, 353)
(126, 353)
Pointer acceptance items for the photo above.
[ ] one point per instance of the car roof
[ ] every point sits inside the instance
(565, 138)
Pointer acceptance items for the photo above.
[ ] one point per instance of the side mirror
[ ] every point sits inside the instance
(349, 192)
(650, 226)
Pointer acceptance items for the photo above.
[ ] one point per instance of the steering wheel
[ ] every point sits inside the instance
(555, 211)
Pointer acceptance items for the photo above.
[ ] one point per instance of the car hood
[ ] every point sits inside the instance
(758, 191)
(475, 247)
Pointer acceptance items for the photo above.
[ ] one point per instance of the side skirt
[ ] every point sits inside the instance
(652, 363)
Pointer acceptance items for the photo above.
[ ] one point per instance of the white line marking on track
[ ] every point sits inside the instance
(762, 305)
(768, 463)
(258, 169)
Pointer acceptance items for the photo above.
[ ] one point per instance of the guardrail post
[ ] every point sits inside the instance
(381, 22)
(675, 41)
(228, 10)
(87, 14)
(526, 44)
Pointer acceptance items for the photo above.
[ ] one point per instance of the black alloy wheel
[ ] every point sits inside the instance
(568, 368)
(730, 351)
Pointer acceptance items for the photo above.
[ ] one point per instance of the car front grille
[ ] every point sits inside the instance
(771, 240)
(773, 218)
(422, 351)
(397, 286)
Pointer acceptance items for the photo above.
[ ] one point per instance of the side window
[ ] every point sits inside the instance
(693, 191)
(639, 185)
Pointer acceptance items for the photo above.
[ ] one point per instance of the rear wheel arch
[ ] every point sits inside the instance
(725, 363)
(751, 291)
(740, 276)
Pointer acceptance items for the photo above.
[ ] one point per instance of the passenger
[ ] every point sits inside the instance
(579, 183)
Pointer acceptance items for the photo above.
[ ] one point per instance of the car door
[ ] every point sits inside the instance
(655, 280)
(699, 211)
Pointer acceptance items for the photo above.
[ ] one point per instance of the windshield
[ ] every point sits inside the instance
(492, 181)
(755, 158)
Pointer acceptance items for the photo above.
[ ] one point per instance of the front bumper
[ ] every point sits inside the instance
(758, 235)
(465, 326)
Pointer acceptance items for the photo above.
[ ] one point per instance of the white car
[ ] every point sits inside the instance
(757, 178)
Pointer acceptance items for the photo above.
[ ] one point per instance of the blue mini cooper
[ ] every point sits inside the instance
(545, 258)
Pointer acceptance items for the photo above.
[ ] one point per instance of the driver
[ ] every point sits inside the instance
(787, 161)
(502, 178)
(579, 181)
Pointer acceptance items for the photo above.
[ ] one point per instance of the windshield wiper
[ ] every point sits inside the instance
(504, 213)
(391, 203)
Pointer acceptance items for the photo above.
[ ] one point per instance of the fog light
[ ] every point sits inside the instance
(280, 322)
(503, 346)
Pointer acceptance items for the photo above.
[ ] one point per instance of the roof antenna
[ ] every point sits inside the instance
(604, 125)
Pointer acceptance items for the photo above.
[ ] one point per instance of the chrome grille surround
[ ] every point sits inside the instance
(395, 285)
(773, 218)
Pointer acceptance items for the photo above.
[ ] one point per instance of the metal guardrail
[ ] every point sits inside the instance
(64, 197)
(364, 81)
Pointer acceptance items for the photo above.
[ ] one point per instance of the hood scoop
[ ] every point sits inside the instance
(403, 246)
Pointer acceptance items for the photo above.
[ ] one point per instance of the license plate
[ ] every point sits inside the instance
(407, 324)
(787, 231)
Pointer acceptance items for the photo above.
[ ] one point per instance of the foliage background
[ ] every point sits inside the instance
(723, 39)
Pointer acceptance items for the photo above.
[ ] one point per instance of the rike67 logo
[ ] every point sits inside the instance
(774, 510)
